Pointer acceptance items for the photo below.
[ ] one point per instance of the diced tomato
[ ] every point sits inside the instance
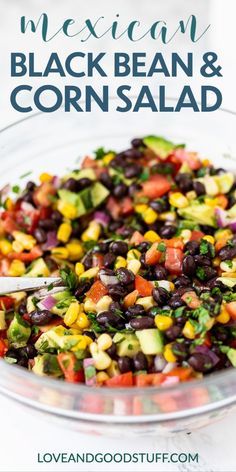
(191, 158)
(231, 309)
(113, 207)
(176, 162)
(191, 299)
(183, 373)
(173, 260)
(88, 162)
(137, 238)
(45, 212)
(97, 291)
(156, 186)
(174, 242)
(42, 195)
(143, 286)
(153, 255)
(4, 267)
(6, 303)
(98, 260)
(207, 340)
(126, 206)
(122, 380)
(131, 298)
(3, 348)
(9, 224)
(196, 235)
(67, 362)
(221, 243)
(143, 380)
(35, 253)
(222, 201)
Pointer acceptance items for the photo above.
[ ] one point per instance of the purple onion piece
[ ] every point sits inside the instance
(51, 241)
(101, 218)
(49, 302)
(205, 350)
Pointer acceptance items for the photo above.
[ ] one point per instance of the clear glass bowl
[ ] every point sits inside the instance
(54, 143)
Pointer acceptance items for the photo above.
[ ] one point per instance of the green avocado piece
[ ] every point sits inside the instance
(231, 354)
(73, 199)
(86, 198)
(126, 344)
(58, 337)
(228, 281)
(151, 341)
(98, 194)
(38, 268)
(18, 332)
(161, 146)
(47, 364)
(201, 214)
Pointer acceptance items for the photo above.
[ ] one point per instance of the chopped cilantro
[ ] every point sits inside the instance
(100, 153)
(69, 278)
(144, 175)
(200, 272)
(161, 247)
(16, 189)
(229, 263)
(26, 174)
(204, 247)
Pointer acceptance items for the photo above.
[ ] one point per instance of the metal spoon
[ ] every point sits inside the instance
(18, 284)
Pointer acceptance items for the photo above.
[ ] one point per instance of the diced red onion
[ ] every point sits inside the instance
(49, 302)
(5, 190)
(27, 207)
(232, 225)
(108, 279)
(102, 218)
(160, 363)
(221, 217)
(56, 181)
(87, 363)
(51, 241)
(205, 350)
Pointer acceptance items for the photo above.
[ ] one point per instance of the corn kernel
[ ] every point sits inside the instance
(75, 250)
(146, 302)
(67, 210)
(163, 322)
(64, 232)
(17, 246)
(16, 269)
(178, 200)
(209, 238)
(79, 268)
(168, 353)
(120, 262)
(149, 216)
(108, 158)
(133, 254)
(92, 233)
(206, 162)
(45, 177)
(228, 266)
(101, 360)
(102, 377)
(167, 216)
(9, 204)
(140, 208)
(103, 304)
(72, 313)
(88, 339)
(26, 240)
(223, 234)
(113, 369)
(90, 273)
(104, 342)
(60, 252)
(191, 195)
(188, 330)
(232, 275)
(216, 261)
(82, 321)
(186, 235)
(5, 247)
(223, 317)
(89, 306)
(152, 236)
(82, 343)
(134, 266)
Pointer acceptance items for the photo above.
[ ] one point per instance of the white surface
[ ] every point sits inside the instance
(22, 433)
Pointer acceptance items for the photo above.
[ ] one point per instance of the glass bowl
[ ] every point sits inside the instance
(55, 142)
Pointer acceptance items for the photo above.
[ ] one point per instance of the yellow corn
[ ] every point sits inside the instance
(64, 232)
(101, 360)
(88, 340)
(75, 250)
(5, 247)
(120, 262)
(90, 273)
(67, 210)
(26, 240)
(108, 158)
(45, 177)
(191, 195)
(17, 246)
(104, 342)
(72, 313)
(16, 269)
(83, 321)
(79, 268)
(167, 216)
(146, 302)
(209, 238)
(163, 322)
(223, 234)
(89, 306)
(188, 330)
(60, 252)
(186, 235)
(140, 208)
(206, 162)
(134, 265)
(152, 236)
(223, 317)
(103, 304)
(9, 204)
(81, 344)
(149, 216)
(216, 261)
(102, 377)
(113, 369)
(168, 353)
(133, 254)
(178, 200)
(92, 232)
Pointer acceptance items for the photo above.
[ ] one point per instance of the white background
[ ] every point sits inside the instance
(23, 434)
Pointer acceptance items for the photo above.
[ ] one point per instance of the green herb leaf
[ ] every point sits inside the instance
(69, 278)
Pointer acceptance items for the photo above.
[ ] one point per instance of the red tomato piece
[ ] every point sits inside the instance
(143, 286)
(191, 299)
(155, 187)
(97, 291)
(98, 260)
(191, 158)
(231, 309)
(173, 261)
(143, 380)
(113, 207)
(126, 206)
(183, 373)
(122, 380)
(196, 235)
(67, 362)
(131, 298)
(137, 238)
(6, 303)
(174, 242)
(35, 253)
(3, 348)
(153, 255)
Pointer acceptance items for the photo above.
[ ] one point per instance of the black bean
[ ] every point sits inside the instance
(132, 153)
(192, 247)
(23, 362)
(227, 253)
(10, 238)
(180, 350)
(209, 273)
(167, 231)
(157, 206)
(30, 186)
(104, 247)
(202, 260)
(82, 288)
(109, 260)
(135, 310)
(173, 332)
(41, 317)
(125, 276)
(160, 272)
(22, 309)
(12, 353)
(71, 185)
(120, 190)
(28, 351)
(199, 188)
(163, 168)
(160, 295)
(114, 306)
(221, 335)
(111, 351)
(117, 292)
(125, 364)
(132, 171)
(52, 265)
(176, 302)
(47, 224)
(188, 266)
(28, 198)
(127, 231)
(207, 229)
(181, 320)
(88, 261)
(136, 143)
(114, 225)
(108, 318)
(83, 183)
(106, 180)
(182, 281)
(119, 248)
(133, 189)
(90, 334)
(143, 322)
(143, 247)
(200, 362)
(40, 235)
(184, 182)
(56, 216)
(140, 361)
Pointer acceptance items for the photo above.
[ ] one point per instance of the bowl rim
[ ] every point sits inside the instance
(66, 387)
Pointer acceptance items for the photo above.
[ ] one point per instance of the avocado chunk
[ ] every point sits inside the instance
(231, 354)
(73, 199)
(58, 338)
(151, 341)
(228, 281)
(225, 181)
(201, 214)
(38, 268)
(47, 364)
(98, 194)
(85, 200)
(18, 332)
(126, 344)
(161, 146)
